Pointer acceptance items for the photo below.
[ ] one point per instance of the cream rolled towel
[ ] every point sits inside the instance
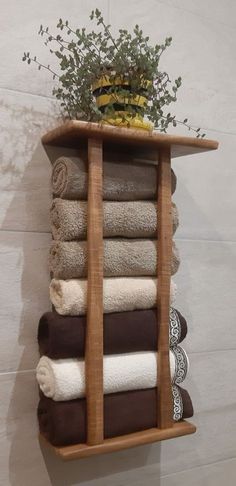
(69, 297)
(122, 257)
(122, 181)
(131, 219)
(64, 379)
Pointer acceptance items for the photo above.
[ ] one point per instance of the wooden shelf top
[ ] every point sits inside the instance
(75, 133)
(123, 442)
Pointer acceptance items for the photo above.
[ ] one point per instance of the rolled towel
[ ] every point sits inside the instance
(61, 337)
(64, 379)
(120, 294)
(122, 181)
(122, 257)
(64, 423)
(135, 219)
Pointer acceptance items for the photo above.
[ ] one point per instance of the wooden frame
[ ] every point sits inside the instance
(94, 136)
(164, 247)
(94, 328)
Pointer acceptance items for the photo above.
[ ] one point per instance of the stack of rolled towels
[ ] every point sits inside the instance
(129, 301)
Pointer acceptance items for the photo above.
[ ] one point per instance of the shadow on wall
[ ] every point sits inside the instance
(119, 468)
(27, 461)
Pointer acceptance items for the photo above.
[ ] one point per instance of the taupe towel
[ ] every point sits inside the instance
(132, 219)
(120, 294)
(122, 257)
(122, 181)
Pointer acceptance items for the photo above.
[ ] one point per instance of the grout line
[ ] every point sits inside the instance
(205, 239)
(25, 231)
(199, 466)
(217, 351)
(175, 239)
(209, 351)
(196, 14)
(2, 373)
(13, 90)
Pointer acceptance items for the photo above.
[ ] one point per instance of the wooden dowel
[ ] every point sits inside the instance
(94, 327)
(164, 247)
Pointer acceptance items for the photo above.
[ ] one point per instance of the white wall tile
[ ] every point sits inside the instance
(206, 65)
(25, 169)
(21, 462)
(206, 283)
(24, 297)
(223, 472)
(19, 33)
(205, 193)
(214, 11)
(209, 380)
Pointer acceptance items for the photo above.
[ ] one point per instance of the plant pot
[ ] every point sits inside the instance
(128, 108)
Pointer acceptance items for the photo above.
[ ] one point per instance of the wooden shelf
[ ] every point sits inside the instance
(75, 134)
(123, 442)
(95, 139)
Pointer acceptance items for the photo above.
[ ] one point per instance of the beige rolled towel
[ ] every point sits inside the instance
(131, 219)
(122, 181)
(69, 297)
(122, 257)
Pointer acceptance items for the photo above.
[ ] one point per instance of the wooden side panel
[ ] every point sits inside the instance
(165, 403)
(94, 334)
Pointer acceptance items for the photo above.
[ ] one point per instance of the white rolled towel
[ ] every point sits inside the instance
(120, 294)
(64, 379)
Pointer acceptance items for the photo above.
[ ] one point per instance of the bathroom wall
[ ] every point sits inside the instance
(203, 52)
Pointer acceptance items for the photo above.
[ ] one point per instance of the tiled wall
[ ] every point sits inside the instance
(204, 53)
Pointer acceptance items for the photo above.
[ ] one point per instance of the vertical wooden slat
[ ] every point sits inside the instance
(164, 247)
(94, 329)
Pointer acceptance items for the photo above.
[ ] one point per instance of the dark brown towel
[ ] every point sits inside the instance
(64, 423)
(62, 337)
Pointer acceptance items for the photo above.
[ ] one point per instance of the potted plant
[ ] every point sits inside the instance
(112, 80)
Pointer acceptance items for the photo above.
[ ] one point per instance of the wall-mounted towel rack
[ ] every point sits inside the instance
(95, 138)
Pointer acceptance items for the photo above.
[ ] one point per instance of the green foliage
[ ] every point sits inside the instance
(83, 57)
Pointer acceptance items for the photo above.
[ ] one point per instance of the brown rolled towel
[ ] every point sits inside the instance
(122, 257)
(62, 337)
(122, 181)
(64, 423)
(131, 219)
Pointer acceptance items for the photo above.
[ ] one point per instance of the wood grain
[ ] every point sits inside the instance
(123, 442)
(94, 330)
(164, 248)
(75, 133)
